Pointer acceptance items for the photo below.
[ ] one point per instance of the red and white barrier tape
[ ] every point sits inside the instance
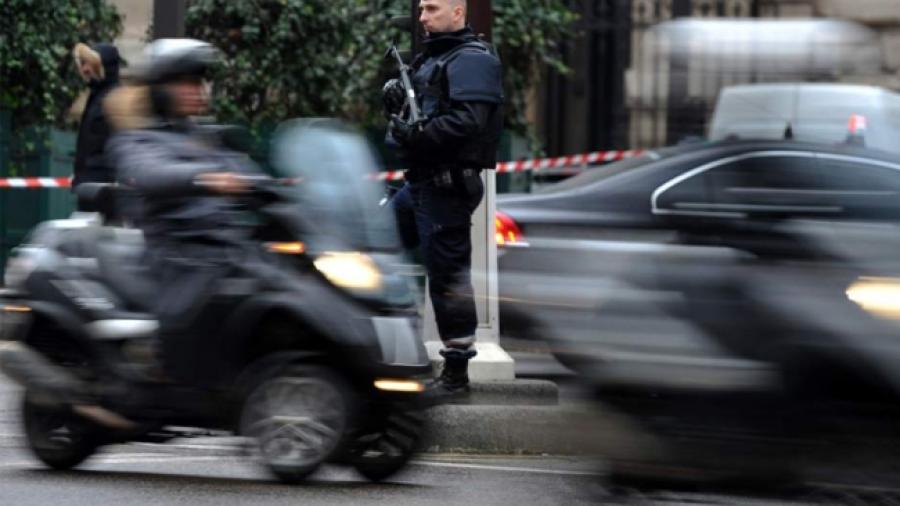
(535, 164)
(567, 161)
(35, 182)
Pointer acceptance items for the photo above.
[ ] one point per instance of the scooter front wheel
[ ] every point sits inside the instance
(297, 418)
(58, 437)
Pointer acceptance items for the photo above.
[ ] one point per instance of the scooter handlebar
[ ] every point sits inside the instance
(245, 183)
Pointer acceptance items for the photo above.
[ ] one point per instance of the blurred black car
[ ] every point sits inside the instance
(740, 300)
(710, 185)
(726, 194)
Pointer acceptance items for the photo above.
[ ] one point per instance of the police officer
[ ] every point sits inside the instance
(459, 81)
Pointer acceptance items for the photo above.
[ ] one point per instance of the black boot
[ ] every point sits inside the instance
(454, 379)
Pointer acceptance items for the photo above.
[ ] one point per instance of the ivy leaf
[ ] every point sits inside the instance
(293, 58)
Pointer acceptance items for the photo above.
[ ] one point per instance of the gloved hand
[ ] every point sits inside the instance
(393, 96)
(223, 182)
(404, 132)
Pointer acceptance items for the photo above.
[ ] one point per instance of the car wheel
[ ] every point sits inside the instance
(297, 419)
(58, 437)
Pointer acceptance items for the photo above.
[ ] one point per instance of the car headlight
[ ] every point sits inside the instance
(878, 296)
(350, 270)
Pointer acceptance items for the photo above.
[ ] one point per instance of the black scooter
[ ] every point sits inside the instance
(326, 368)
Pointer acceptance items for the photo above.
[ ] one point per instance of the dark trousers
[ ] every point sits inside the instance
(438, 220)
(189, 276)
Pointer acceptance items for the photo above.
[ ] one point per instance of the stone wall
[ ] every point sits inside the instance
(880, 15)
(788, 8)
(137, 15)
(870, 12)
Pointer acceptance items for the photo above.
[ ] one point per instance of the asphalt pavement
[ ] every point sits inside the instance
(186, 475)
(213, 471)
(133, 476)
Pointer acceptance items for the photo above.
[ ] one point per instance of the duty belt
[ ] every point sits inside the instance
(443, 178)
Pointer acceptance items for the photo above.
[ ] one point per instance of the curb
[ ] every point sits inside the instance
(553, 430)
(519, 392)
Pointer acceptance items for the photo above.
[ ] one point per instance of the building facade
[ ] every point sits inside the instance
(627, 91)
(622, 93)
(137, 19)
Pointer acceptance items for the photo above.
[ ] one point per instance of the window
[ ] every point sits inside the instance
(735, 185)
(855, 175)
(796, 183)
(864, 189)
(765, 181)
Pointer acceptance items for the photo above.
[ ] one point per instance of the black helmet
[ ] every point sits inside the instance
(167, 60)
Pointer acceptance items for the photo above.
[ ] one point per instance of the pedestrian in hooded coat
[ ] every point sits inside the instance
(98, 65)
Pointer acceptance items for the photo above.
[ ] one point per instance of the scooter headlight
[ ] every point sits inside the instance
(877, 296)
(353, 270)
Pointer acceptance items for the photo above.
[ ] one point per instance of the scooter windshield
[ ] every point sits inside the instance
(334, 168)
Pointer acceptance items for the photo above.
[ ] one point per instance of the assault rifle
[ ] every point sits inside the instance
(415, 116)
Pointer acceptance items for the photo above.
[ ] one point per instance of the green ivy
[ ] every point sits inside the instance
(290, 58)
(38, 80)
(527, 34)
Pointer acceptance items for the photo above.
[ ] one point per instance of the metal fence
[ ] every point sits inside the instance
(44, 152)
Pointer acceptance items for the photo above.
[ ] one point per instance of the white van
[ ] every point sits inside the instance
(816, 112)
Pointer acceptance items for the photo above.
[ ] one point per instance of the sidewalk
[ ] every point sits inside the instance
(556, 417)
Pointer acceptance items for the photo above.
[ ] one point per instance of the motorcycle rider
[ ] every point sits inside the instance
(186, 189)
